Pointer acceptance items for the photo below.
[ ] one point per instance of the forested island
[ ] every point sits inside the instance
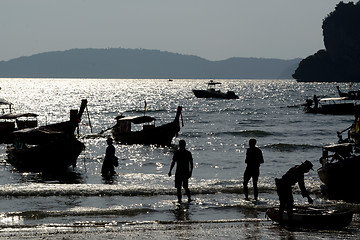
(141, 63)
(340, 60)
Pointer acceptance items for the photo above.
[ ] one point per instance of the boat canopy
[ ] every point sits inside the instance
(4, 102)
(136, 119)
(17, 115)
(37, 135)
(338, 147)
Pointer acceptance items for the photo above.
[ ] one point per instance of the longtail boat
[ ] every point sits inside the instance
(52, 147)
(149, 134)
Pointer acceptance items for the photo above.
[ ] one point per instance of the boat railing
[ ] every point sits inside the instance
(340, 151)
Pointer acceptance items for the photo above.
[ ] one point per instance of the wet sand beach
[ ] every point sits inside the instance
(236, 229)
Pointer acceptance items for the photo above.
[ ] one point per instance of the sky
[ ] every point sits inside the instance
(211, 29)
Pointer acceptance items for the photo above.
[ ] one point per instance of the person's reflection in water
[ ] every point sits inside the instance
(181, 212)
(110, 179)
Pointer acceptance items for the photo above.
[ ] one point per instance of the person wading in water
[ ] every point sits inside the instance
(254, 158)
(184, 168)
(110, 160)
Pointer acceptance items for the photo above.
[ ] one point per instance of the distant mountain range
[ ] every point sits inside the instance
(142, 63)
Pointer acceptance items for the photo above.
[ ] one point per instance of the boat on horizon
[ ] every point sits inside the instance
(53, 147)
(212, 92)
(149, 134)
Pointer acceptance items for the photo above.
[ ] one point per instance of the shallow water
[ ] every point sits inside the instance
(142, 195)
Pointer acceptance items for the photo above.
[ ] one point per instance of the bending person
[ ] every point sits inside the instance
(284, 187)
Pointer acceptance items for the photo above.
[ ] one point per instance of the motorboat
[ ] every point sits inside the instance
(333, 105)
(352, 95)
(212, 92)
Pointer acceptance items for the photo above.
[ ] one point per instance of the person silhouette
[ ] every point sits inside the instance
(110, 160)
(316, 102)
(184, 168)
(284, 187)
(254, 158)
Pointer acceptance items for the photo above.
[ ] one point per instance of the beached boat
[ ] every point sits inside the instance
(315, 218)
(52, 147)
(339, 172)
(340, 164)
(149, 134)
(212, 92)
(335, 106)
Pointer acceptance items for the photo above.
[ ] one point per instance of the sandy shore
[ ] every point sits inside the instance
(205, 230)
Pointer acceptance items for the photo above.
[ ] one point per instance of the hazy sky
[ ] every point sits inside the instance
(212, 29)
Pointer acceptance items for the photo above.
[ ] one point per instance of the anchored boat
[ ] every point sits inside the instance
(52, 147)
(212, 92)
(149, 134)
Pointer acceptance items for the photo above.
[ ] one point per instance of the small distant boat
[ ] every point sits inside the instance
(335, 106)
(314, 218)
(212, 92)
(150, 134)
(52, 147)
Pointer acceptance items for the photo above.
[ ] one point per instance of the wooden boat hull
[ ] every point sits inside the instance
(6, 128)
(161, 135)
(341, 178)
(51, 148)
(57, 155)
(313, 218)
(214, 94)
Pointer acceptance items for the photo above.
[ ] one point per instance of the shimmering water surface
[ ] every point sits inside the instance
(216, 132)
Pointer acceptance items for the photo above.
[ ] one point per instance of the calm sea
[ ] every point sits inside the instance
(217, 133)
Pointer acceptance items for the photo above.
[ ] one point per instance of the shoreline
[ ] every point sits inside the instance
(149, 230)
(226, 229)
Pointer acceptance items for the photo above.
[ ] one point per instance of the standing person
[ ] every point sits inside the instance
(316, 102)
(107, 169)
(254, 158)
(284, 187)
(184, 168)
